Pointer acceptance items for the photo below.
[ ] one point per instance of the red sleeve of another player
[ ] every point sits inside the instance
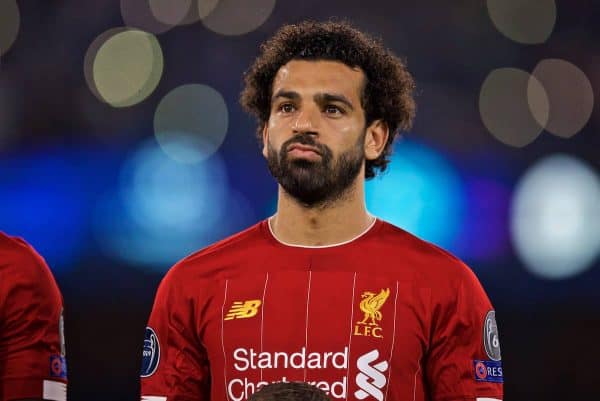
(174, 363)
(32, 360)
(464, 360)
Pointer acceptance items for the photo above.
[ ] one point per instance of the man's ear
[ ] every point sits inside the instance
(265, 140)
(376, 138)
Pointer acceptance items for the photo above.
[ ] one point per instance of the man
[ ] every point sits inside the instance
(32, 348)
(296, 391)
(323, 292)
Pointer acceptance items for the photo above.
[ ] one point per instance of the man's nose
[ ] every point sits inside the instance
(306, 122)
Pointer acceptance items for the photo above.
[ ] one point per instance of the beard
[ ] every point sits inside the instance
(316, 183)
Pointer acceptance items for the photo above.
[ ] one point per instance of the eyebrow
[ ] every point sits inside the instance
(330, 97)
(319, 97)
(285, 94)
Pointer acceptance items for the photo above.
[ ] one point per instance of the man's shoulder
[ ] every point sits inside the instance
(428, 258)
(24, 273)
(240, 246)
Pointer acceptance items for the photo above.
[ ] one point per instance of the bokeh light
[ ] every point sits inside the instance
(123, 66)
(44, 198)
(191, 122)
(508, 101)
(156, 16)
(170, 12)
(163, 194)
(235, 17)
(484, 235)
(570, 95)
(90, 57)
(418, 192)
(10, 20)
(524, 21)
(205, 7)
(165, 210)
(555, 217)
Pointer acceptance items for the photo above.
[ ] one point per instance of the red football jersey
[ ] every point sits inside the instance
(385, 316)
(32, 352)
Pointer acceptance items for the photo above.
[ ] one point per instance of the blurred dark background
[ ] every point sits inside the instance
(123, 149)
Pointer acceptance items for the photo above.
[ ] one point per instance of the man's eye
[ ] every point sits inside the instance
(286, 107)
(331, 109)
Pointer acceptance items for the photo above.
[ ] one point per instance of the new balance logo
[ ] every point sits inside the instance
(243, 309)
(371, 379)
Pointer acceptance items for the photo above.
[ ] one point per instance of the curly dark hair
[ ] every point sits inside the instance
(289, 391)
(387, 94)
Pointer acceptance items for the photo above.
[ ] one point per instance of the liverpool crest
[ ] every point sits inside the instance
(370, 305)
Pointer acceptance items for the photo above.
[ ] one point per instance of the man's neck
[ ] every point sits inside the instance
(334, 223)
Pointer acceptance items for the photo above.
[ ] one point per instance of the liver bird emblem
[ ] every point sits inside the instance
(371, 304)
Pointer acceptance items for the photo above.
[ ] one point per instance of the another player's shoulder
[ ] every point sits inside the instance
(19, 258)
(10, 245)
(428, 258)
(225, 253)
(24, 273)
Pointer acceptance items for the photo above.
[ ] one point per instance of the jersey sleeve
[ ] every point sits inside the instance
(174, 362)
(32, 352)
(464, 361)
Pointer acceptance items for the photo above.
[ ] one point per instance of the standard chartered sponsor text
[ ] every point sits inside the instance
(250, 359)
(240, 388)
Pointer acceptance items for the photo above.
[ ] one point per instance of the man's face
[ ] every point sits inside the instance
(314, 139)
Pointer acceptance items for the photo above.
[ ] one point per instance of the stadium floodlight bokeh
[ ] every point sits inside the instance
(526, 22)
(234, 17)
(155, 16)
(508, 101)
(123, 66)
(170, 12)
(205, 7)
(10, 21)
(90, 58)
(484, 235)
(421, 193)
(46, 199)
(195, 115)
(555, 217)
(570, 95)
(164, 210)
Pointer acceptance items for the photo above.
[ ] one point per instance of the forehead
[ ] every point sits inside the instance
(305, 77)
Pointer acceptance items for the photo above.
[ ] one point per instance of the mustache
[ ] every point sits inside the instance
(307, 140)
